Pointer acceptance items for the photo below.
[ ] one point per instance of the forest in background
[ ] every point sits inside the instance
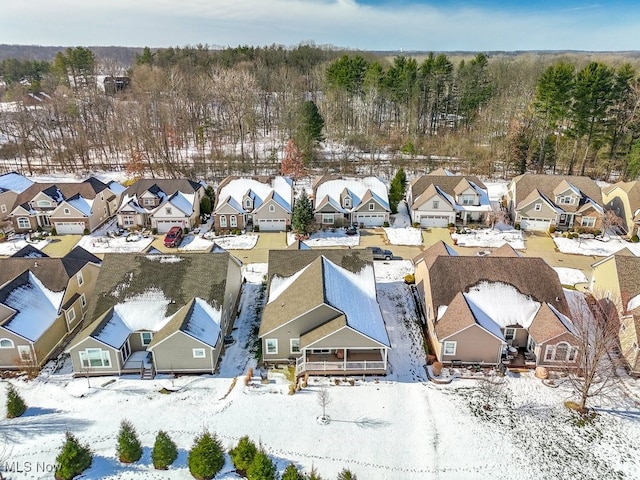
(207, 113)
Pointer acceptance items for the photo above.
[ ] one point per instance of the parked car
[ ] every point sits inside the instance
(381, 253)
(173, 237)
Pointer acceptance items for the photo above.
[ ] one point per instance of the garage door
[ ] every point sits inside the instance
(428, 221)
(163, 226)
(370, 219)
(535, 224)
(66, 228)
(272, 225)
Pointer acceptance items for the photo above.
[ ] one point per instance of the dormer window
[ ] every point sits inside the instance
(566, 200)
(347, 202)
(467, 199)
(248, 203)
(148, 202)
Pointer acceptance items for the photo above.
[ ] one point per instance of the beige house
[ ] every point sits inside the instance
(339, 201)
(624, 199)
(158, 313)
(322, 313)
(12, 184)
(42, 303)
(441, 198)
(67, 207)
(539, 202)
(260, 203)
(500, 308)
(616, 278)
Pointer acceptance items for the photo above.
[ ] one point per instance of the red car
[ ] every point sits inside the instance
(173, 237)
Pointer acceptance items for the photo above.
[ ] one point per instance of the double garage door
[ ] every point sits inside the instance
(70, 228)
(163, 226)
(429, 221)
(272, 224)
(370, 219)
(534, 224)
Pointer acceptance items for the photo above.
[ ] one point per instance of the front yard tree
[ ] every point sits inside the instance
(243, 454)
(73, 459)
(397, 189)
(164, 451)
(129, 448)
(261, 468)
(302, 214)
(15, 404)
(205, 206)
(206, 458)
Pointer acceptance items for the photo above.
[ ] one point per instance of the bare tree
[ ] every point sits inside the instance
(593, 373)
(324, 399)
(491, 388)
(611, 221)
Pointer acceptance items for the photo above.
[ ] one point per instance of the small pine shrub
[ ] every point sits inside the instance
(85, 231)
(291, 473)
(129, 448)
(346, 475)
(15, 404)
(517, 226)
(206, 457)
(256, 228)
(385, 224)
(409, 279)
(314, 475)
(73, 459)
(164, 451)
(243, 454)
(437, 368)
(635, 239)
(261, 468)
(54, 232)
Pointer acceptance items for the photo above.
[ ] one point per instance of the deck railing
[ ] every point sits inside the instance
(323, 366)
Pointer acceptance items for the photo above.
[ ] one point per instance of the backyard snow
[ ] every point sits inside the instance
(395, 427)
(9, 247)
(591, 246)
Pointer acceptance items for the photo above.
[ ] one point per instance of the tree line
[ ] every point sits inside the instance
(204, 112)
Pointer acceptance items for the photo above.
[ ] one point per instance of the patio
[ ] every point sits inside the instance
(335, 362)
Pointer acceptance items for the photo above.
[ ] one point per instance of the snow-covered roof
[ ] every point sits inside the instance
(238, 187)
(355, 295)
(204, 322)
(81, 204)
(15, 182)
(145, 311)
(131, 203)
(484, 320)
(566, 321)
(357, 188)
(182, 201)
(36, 308)
(280, 284)
(116, 187)
(633, 303)
(503, 303)
(114, 332)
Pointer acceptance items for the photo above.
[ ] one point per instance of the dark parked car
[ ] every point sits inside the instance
(173, 237)
(381, 253)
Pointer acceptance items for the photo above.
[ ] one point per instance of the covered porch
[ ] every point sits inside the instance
(341, 361)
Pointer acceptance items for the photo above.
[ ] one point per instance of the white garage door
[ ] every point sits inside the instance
(535, 224)
(370, 219)
(272, 225)
(164, 226)
(428, 221)
(66, 228)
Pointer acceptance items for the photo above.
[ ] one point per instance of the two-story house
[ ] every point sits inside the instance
(441, 198)
(262, 203)
(12, 184)
(339, 201)
(623, 198)
(539, 202)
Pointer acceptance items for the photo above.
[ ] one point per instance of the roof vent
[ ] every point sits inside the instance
(35, 264)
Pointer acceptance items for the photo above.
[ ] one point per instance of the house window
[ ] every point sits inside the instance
(167, 210)
(71, 315)
(561, 353)
(347, 202)
(95, 357)
(6, 343)
(148, 202)
(537, 207)
(80, 278)
(67, 211)
(450, 348)
(233, 221)
(23, 222)
(145, 338)
(247, 203)
(588, 222)
(272, 346)
(127, 221)
(83, 300)
(573, 353)
(531, 344)
(294, 345)
(468, 199)
(272, 208)
(372, 206)
(199, 353)
(548, 353)
(436, 204)
(223, 220)
(567, 200)
(327, 218)
(3, 208)
(24, 352)
(509, 334)
(43, 203)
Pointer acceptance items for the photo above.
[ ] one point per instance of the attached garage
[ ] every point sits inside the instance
(163, 226)
(535, 224)
(429, 221)
(370, 219)
(272, 224)
(70, 228)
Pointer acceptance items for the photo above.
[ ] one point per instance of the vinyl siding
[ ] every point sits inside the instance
(346, 338)
(175, 354)
(474, 345)
(116, 362)
(9, 356)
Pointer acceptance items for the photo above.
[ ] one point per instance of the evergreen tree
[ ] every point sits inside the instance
(129, 448)
(291, 473)
(164, 451)
(243, 454)
(205, 206)
(302, 214)
(346, 474)
(73, 459)
(397, 189)
(206, 458)
(314, 475)
(261, 468)
(309, 130)
(15, 404)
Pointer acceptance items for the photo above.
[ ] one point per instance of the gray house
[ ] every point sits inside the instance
(158, 313)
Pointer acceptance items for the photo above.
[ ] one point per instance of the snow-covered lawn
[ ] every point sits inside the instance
(121, 244)
(404, 236)
(490, 237)
(570, 276)
(10, 247)
(591, 246)
(328, 238)
(230, 242)
(396, 427)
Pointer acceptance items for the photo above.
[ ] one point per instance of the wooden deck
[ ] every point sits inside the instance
(369, 363)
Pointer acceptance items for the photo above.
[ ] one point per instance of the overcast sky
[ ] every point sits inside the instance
(431, 25)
